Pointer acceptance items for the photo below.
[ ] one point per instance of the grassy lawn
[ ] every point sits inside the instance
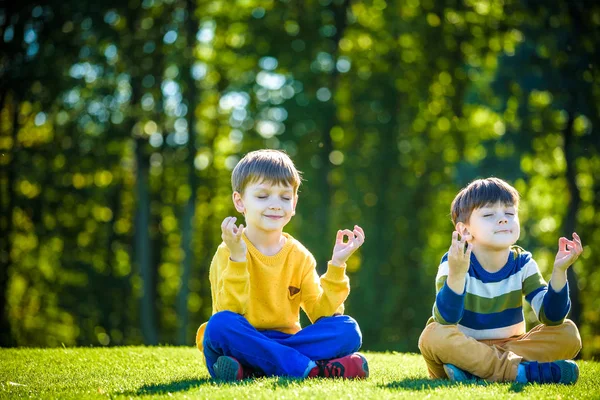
(178, 372)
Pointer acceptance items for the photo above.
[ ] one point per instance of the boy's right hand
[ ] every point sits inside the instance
(459, 259)
(232, 236)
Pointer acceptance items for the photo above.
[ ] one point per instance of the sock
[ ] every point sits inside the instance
(521, 374)
(310, 367)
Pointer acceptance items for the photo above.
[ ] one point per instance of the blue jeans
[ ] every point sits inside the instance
(277, 353)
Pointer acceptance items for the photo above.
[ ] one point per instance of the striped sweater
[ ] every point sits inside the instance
(491, 307)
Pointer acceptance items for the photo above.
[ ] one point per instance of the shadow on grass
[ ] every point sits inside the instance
(170, 387)
(189, 384)
(517, 387)
(283, 382)
(428, 384)
(422, 384)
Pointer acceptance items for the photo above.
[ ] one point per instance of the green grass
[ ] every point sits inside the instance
(178, 372)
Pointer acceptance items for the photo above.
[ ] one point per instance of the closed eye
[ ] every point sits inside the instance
(510, 213)
(487, 215)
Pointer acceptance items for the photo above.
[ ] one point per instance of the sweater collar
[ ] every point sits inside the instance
(502, 273)
(274, 259)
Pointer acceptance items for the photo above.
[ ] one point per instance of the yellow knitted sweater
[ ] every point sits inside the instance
(270, 290)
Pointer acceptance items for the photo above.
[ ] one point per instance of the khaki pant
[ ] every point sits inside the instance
(496, 360)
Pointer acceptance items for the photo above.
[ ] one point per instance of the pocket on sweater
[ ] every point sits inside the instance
(293, 292)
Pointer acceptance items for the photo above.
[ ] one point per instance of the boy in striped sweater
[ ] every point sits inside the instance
(478, 329)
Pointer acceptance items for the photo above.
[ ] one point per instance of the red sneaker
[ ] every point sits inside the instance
(353, 366)
(229, 369)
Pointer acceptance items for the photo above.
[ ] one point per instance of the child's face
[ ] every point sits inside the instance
(494, 226)
(266, 206)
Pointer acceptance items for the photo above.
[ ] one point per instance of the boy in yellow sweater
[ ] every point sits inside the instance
(261, 276)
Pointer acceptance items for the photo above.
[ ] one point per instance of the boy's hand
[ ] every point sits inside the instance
(459, 259)
(342, 251)
(232, 236)
(568, 252)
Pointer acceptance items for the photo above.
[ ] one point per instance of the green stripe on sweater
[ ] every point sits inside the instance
(484, 305)
(532, 283)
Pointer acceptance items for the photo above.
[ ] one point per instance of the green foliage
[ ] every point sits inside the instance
(120, 123)
(177, 372)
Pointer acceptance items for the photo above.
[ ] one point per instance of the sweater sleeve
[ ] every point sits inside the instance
(555, 306)
(550, 307)
(449, 306)
(324, 296)
(230, 283)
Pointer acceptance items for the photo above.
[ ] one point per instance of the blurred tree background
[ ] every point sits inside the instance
(120, 123)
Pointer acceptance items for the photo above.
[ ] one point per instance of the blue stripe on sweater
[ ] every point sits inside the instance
(512, 266)
(501, 319)
(531, 295)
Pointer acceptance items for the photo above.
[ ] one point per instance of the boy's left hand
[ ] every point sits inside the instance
(568, 252)
(342, 251)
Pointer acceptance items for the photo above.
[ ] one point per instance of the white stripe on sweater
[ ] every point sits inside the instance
(498, 333)
(494, 289)
(536, 303)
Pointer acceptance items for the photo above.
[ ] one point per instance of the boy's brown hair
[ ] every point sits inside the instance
(273, 166)
(480, 193)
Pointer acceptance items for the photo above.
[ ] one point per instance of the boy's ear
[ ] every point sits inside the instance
(462, 229)
(238, 202)
(295, 203)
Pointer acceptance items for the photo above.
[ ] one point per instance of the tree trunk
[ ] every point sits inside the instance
(570, 221)
(142, 246)
(7, 203)
(187, 234)
(323, 213)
